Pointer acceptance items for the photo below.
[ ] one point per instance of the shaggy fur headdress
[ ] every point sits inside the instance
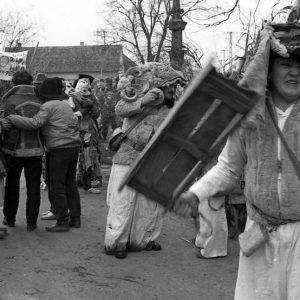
(140, 79)
(286, 39)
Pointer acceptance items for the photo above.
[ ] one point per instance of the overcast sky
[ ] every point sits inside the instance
(69, 22)
(61, 22)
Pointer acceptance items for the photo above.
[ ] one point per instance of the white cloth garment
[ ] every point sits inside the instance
(268, 273)
(131, 217)
(213, 232)
(272, 272)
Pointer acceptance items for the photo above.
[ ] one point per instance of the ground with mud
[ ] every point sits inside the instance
(61, 266)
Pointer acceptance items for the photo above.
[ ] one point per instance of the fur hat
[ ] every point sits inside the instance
(39, 78)
(286, 39)
(51, 89)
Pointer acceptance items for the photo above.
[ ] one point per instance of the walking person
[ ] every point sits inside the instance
(61, 133)
(262, 148)
(134, 222)
(23, 150)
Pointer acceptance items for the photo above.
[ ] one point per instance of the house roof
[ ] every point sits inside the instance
(77, 59)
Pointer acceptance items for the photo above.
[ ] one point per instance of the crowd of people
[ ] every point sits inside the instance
(47, 125)
(61, 123)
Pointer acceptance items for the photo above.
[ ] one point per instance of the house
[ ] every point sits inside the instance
(99, 61)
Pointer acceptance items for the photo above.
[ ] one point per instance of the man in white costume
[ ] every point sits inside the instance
(135, 222)
(272, 187)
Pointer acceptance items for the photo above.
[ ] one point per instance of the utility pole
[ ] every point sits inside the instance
(177, 25)
(104, 36)
(224, 60)
(102, 32)
(230, 33)
(230, 50)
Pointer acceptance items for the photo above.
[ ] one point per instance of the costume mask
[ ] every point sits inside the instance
(83, 86)
(139, 80)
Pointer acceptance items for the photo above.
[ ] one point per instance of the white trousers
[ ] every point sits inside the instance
(131, 216)
(213, 232)
(272, 272)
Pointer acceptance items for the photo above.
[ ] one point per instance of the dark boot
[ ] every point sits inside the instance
(153, 246)
(3, 233)
(59, 227)
(31, 227)
(120, 252)
(8, 223)
(75, 222)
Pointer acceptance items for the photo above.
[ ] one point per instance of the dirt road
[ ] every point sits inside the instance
(71, 266)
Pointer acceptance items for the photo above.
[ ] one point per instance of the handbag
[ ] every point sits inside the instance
(116, 139)
(252, 239)
(119, 135)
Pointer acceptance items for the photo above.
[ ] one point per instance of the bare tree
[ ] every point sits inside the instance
(250, 29)
(207, 13)
(141, 26)
(15, 29)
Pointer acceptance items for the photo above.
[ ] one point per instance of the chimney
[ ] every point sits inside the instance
(19, 45)
(81, 43)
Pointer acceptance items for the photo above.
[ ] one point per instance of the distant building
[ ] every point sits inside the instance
(99, 61)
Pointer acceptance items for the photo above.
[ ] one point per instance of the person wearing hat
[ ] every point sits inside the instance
(134, 222)
(60, 130)
(23, 150)
(89, 170)
(266, 147)
(50, 214)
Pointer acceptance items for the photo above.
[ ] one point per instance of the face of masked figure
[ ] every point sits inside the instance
(83, 86)
(169, 94)
(82, 83)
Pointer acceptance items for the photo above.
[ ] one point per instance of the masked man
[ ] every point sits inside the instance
(134, 222)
